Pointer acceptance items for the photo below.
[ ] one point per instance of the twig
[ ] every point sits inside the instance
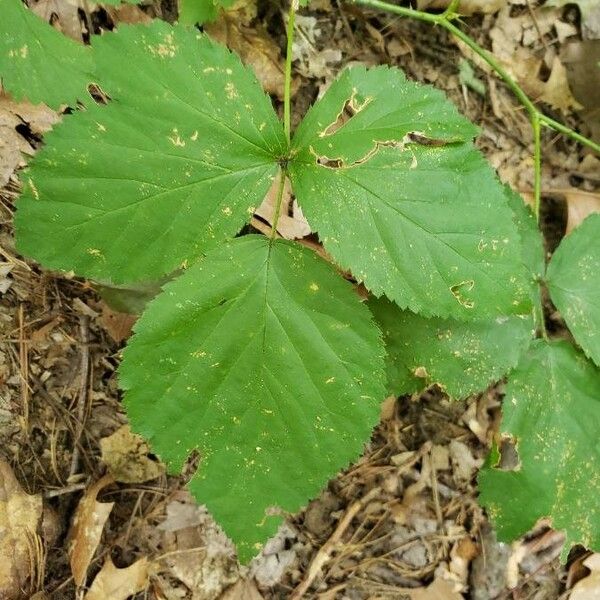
(325, 552)
(84, 323)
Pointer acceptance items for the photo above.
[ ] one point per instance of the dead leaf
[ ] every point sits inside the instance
(588, 588)
(291, 224)
(438, 589)
(5, 280)
(580, 204)
(126, 456)
(118, 325)
(590, 16)
(62, 14)
(127, 13)
(118, 584)
(557, 92)
(244, 589)
(86, 529)
(20, 517)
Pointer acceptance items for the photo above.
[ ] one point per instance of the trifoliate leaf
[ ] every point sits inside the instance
(573, 280)
(264, 359)
(39, 63)
(176, 162)
(552, 409)
(463, 358)
(384, 171)
(201, 11)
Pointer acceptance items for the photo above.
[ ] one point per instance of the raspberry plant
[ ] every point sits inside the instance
(258, 353)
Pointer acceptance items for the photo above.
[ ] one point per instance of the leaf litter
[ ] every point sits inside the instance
(437, 544)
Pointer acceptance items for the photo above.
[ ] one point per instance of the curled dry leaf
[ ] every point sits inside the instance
(86, 528)
(20, 516)
(126, 456)
(556, 91)
(244, 589)
(465, 7)
(588, 588)
(292, 224)
(119, 584)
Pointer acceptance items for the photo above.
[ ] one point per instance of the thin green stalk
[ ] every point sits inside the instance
(287, 86)
(537, 164)
(278, 202)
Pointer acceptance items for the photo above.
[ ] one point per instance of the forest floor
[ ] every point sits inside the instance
(403, 522)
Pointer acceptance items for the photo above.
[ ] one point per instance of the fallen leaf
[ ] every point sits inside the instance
(291, 224)
(244, 589)
(118, 325)
(118, 584)
(62, 14)
(86, 529)
(5, 280)
(438, 589)
(588, 588)
(127, 13)
(557, 92)
(20, 518)
(580, 204)
(590, 16)
(126, 456)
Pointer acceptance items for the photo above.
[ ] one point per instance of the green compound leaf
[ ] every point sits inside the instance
(552, 408)
(201, 11)
(175, 163)
(383, 172)
(264, 359)
(463, 358)
(39, 63)
(573, 280)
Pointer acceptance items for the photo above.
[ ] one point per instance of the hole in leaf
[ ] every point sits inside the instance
(509, 456)
(98, 95)
(351, 107)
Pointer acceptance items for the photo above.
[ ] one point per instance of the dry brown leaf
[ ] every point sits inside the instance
(118, 325)
(126, 456)
(588, 588)
(438, 589)
(244, 589)
(557, 92)
(13, 145)
(118, 584)
(62, 14)
(580, 204)
(86, 529)
(127, 13)
(20, 516)
(289, 226)
(256, 49)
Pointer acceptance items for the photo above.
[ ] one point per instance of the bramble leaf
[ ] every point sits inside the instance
(552, 409)
(462, 357)
(175, 163)
(201, 11)
(573, 280)
(264, 359)
(39, 63)
(384, 171)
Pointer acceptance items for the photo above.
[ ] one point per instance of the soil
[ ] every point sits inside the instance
(403, 517)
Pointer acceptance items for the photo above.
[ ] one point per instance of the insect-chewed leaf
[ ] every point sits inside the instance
(39, 63)
(384, 170)
(176, 162)
(552, 409)
(200, 11)
(264, 359)
(462, 357)
(574, 284)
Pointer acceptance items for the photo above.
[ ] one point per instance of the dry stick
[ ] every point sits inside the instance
(325, 551)
(84, 323)
(24, 369)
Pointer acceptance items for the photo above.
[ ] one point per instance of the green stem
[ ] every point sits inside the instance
(537, 164)
(287, 86)
(278, 202)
